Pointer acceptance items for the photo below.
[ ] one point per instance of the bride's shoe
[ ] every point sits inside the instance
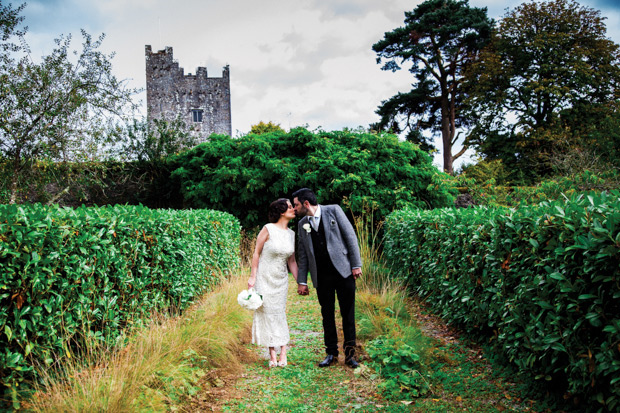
(282, 363)
(273, 364)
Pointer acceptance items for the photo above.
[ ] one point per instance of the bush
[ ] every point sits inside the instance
(401, 367)
(358, 170)
(541, 283)
(93, 183)
(68, 276)
(489, 192)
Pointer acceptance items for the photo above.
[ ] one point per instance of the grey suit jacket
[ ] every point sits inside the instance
(341, 244)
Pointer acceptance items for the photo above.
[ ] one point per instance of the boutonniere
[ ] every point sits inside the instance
(306, 226)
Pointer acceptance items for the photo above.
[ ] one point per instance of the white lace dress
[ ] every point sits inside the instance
(270, 328)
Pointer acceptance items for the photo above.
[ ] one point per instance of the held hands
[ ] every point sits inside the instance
(303, 289)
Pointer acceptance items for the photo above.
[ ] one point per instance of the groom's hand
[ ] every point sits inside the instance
(302, 289)
(357, 273)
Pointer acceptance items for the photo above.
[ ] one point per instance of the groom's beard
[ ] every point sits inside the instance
(303, 211)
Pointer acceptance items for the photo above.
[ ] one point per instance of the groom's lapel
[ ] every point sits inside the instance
(326, 220)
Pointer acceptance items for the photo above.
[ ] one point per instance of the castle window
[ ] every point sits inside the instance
(197, 115)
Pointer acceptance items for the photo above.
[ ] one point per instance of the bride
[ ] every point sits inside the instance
(275, 250)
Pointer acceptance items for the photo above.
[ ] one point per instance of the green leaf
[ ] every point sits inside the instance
(557, 276)
(594, 319)
(586, 296)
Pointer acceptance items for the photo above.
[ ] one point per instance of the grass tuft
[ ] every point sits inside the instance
(160, 367)
(382, 301)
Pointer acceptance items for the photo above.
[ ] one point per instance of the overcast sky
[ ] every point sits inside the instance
(291, 62)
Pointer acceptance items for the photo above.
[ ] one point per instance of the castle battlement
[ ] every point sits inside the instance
(202, 102)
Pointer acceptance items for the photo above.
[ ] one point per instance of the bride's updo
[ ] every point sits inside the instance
(276, 209)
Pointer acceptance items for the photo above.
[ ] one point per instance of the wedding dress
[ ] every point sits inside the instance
(270, 328)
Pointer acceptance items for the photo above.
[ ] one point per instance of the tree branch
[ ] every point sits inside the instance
(460, 153)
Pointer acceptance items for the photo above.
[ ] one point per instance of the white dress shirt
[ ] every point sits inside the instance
(316, 218)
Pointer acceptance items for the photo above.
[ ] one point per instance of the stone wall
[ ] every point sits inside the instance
(171, 93)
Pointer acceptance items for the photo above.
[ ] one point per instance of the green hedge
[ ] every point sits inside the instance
(541, 283)
(360, 171)
(70, 275)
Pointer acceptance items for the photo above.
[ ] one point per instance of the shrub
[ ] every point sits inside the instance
(358, 170)
(401, 367)
(93, 183)
(489, 192)
(541, 283)
(67, 276)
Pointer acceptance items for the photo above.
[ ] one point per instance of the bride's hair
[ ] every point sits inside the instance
(277, 208)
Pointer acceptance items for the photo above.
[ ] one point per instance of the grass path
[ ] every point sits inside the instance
(203, 361)
(465, 380)
(301, 386)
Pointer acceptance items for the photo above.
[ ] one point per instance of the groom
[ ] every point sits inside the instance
(328, 248)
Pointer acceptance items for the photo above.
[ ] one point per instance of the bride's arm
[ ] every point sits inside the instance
(292, 266)
(263, 236)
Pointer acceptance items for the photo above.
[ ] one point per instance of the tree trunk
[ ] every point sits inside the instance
(13, 189)
(446, 137)
(14, 180)
(447, 153)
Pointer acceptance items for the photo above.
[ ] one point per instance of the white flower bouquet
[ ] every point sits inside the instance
(250, 299)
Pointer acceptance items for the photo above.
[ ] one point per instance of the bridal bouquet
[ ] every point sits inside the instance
(250, 299)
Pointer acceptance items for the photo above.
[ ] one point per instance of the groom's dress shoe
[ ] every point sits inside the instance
(351, 363)
(329, 360)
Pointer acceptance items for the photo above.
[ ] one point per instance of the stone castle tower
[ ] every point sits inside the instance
(202, 102)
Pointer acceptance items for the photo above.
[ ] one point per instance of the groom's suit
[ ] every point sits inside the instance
(330, 252)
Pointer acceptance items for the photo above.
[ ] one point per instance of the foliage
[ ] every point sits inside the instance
(601, 158)
(263, 127)
(10, 21)
(400, 366)
(57, 109)
(439, 39)
(146, 142)
(70, 276)
(539, 282)
(486, 190)
(485, 170)
(93, 183)
(359, 170)
(551, 67)
(397, 348)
